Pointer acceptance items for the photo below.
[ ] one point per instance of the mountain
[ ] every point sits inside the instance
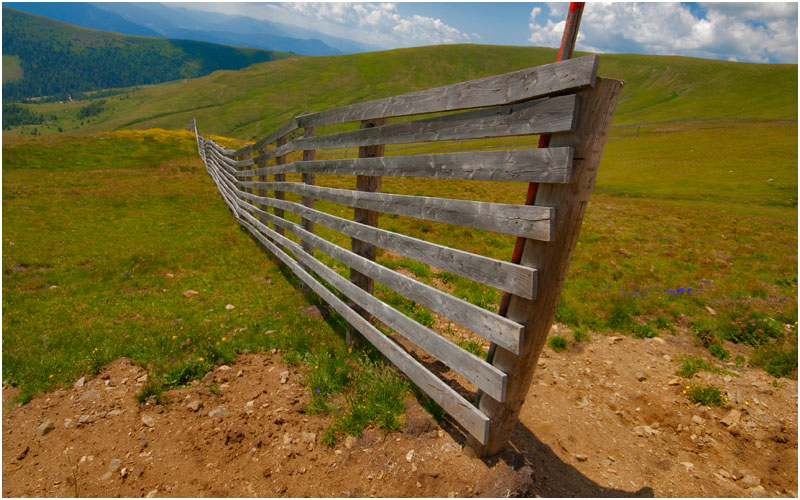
(57, 59)
(85, 15)
(255, 101)
(173, 21)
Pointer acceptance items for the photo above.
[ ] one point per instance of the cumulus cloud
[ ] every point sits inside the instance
(380, 23)
(765, 32)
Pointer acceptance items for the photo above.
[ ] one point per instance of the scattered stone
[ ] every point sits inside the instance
(90, 394)
(667, 357)
(190, 293)
(151, 493)
(284, 377)
(727, 378)
(23, 453)
(581, 458)
(195, 405)
(419, 485)
(349, 442)
(79, 382)
(749, 481)
(230, 307)
(698, 420)
(725, 474)
(614, 340)
(739, 396)
(114, 413)
(308, 437)
(106, 476)
(148, 421)
(731, 419)
(85, 419)
(640, 376)
(645, 431)
(657, 340)
(675, 381)
(606, 463)
(689, 465)
(124, 472)
(711, 310)
(218, 412)
(240, 373)
(142, 379)
(45, 427)
(410, 456)
(757, 491)
(114, 464)
(223, 368)
(287, 439)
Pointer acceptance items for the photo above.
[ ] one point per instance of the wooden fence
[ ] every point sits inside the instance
(565, 99)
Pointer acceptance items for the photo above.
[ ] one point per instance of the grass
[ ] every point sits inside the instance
(691, 365)
(708, 395)
(557, 343)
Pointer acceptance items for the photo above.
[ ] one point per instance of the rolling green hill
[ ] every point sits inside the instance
(56, 59)
(251, 102)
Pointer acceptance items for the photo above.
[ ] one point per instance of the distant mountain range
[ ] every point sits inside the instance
(173, 21)
(52, 58)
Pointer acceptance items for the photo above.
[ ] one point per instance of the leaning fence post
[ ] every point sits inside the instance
(310, 179)
(550, 258)
(280, 195)
(369, 183)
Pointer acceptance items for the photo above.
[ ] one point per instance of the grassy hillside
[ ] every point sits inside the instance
(58, 58)
(251, 102)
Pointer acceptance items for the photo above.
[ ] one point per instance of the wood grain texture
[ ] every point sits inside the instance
(532, 117)
(551, 259)
(283, 131)
(453, 403)
(507, 88)
(522, 165)
(519, 220)
(309, 155)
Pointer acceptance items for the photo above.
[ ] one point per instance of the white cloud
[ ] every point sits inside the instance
(745, 32)
(379, 24)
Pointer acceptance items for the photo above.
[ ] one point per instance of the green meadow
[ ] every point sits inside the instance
(691, 230)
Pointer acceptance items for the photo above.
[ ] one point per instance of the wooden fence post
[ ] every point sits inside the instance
(369, 183)
(280, 195)
(309, 178)
(552, 259)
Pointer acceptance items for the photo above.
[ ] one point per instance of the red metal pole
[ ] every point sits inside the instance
(564, 52)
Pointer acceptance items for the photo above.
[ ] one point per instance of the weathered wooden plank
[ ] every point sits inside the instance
(506, 276)
(524, 165)
(453, 403)
(485, 323)
(489, 91)
(309, 155)
(519, 220)
(533, 117)
(570, 200)
(279, 178)
(472, 368)
(283, 131)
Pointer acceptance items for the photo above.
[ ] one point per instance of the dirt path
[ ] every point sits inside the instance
(590, 427)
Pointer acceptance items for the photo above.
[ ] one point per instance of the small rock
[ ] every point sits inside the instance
(67, 422)
(223, 368)
(287, 439)
(614, 340)
(419, 485)
(142, 379)
(45, 427)
(725, 474)
(581, 458)
(190, 293)
(739, 396)
(218, 412)
(23, 453)
(698, 420)
(195, 405)
(667, 357)
(606, 463)
(645, 431)
(106, 476)
(114, 464)
(675, 381)
(657, 340)
(90, 394)
(727, 378)
(349, 442)
(640, 376)
(148, 421)
(731, 419)
(115, 413)
(749, 481)
(757, 491)
(79, 382)
(410, 456)
(230, 307)
(151, 493)
(711, 310)
(124, 472)
(308, 437)
(240, 373)
(284, 377)
(689, 465)
(85, 419)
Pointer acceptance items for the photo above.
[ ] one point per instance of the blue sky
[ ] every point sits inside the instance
(747, 32)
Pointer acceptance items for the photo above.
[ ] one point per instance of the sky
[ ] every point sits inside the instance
(745, 32)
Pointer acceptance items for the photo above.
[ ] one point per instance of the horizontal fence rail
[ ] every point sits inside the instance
(280, 212)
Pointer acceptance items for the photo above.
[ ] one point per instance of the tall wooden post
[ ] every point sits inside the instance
(372, 184)
(280, 195)
(309, 178)
(552, 259)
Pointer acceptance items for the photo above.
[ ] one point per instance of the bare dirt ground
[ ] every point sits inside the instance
(607, 418)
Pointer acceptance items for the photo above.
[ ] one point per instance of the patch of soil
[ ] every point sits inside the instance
(589, 428)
